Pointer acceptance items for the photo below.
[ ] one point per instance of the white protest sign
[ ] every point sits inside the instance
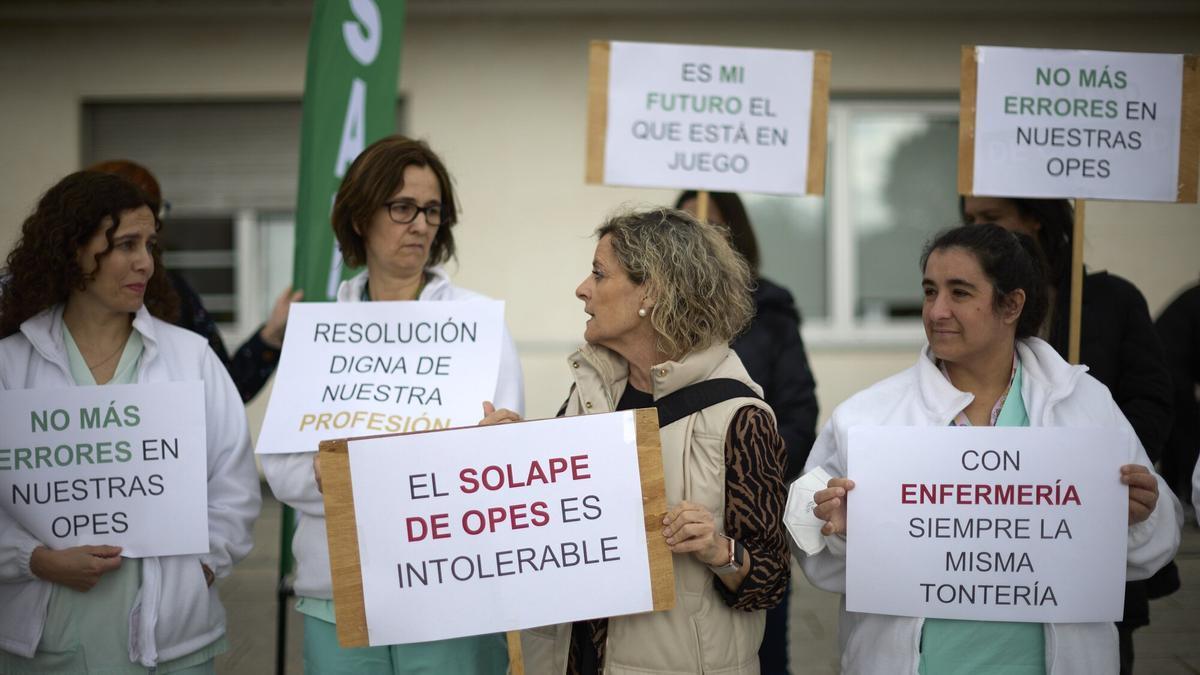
(709, 118)
(488, 529)
(118, 465)
(1085, 124)
(993, 523)
(359, 368)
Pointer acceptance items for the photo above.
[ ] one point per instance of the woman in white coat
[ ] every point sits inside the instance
(393, 213)
(83, 305)
(985, 296)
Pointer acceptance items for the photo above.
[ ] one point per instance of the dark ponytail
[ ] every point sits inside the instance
(1010, 261)
(1056, 223)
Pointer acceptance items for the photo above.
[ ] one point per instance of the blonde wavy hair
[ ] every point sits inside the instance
(701, 285)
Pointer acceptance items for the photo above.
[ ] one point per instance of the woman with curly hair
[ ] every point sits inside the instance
(254, 361)
(86, 303)
(665, 296)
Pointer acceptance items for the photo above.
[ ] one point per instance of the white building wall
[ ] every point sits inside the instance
(502, 98)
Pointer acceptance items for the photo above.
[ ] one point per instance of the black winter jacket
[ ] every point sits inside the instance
(1120, 347)
(1179, 329)
(251, 365)
(773, 354)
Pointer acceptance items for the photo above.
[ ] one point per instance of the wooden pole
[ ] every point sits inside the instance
(516, 660)
(702, 206)
(1076, 284)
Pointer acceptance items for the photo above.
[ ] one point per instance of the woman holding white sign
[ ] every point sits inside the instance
(666, 295)
(1118, 344)
(773, 352)
(84, 305)
(393, 213)
(985, 298)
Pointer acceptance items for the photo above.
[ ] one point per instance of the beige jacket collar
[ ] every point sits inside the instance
(667, 377)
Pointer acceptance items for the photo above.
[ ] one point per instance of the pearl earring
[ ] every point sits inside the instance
(642, 312)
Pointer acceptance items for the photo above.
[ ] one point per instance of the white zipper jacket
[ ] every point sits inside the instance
(175, 613)
(1055, 394)
(290, 475)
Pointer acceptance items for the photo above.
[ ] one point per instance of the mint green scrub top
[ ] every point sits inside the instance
(89, 632)
(987, 647)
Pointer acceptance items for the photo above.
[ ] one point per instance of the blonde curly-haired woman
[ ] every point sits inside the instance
(665, 296)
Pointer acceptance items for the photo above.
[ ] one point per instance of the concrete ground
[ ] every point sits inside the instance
(1169, 646)
(250, 605)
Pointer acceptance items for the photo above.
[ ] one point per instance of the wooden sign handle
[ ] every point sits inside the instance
(969, 78)
(516, 659)
(341, 531)
(702, 206)
(818, 130)
(1076, 284)
(597, 110)
(1189, 132)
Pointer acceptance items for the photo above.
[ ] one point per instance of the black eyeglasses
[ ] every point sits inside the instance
(404, 212)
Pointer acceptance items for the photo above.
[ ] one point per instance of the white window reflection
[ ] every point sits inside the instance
(792, 247)
(903, 168)
(850, 257)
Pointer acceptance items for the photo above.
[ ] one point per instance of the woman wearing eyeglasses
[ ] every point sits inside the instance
(393, 213)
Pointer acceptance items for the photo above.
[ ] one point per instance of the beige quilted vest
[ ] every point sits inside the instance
(701, 634)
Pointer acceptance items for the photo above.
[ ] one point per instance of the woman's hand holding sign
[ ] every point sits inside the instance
(689, 528)
(78, 568)
(492, 415)
(1143, 491)
(831, 505)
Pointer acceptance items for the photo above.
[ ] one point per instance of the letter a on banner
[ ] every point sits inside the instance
(349, 102)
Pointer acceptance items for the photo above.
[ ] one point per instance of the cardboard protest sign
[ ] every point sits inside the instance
(488, 529)
(1079, 124)
(708, 118)
(119, 465)
(357, 368)
(993, 523)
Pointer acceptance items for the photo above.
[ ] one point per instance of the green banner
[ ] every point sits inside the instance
(349, 102)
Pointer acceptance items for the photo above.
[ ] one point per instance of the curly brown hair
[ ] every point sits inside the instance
(700, 282)
(42, 270)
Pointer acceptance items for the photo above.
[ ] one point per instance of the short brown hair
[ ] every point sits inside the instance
(372, 179)
(701, 284)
